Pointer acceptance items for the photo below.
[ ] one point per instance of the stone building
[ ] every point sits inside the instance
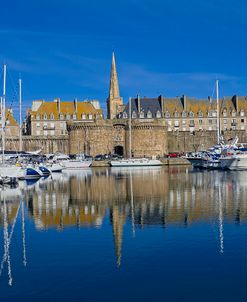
(12, 127)
(50, 118)
(190, 114)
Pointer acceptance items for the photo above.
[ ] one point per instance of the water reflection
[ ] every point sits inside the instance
(143, 197)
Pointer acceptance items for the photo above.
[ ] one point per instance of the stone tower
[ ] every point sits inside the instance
(114, 101)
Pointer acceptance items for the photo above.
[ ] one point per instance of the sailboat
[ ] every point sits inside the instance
(134, 162)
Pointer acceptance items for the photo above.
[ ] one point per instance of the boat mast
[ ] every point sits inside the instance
(3, 111)
(20, 122)
(130, 154)
(218, 111)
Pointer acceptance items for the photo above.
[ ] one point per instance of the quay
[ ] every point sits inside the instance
(165, 162)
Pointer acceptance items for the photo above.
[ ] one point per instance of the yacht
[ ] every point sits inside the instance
(67, 163)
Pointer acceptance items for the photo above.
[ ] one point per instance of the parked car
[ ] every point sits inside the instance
(173, 154)
(99, 157)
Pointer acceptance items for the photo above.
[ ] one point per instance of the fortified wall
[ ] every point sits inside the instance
(148, 138)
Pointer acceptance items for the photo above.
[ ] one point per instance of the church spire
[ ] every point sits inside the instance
(114, 100)
(114, 89)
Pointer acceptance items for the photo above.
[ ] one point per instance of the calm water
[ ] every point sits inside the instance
(126, 235)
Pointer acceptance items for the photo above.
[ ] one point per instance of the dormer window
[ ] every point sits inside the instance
(45, 116)
(191, 114)
(242, 113)
(52, 116)
(149, 114)
(90, 116)
(61, 116)
(37, 117)
(142, 114)
(158, 114)
(83, 116)
(233, 113)
(200, 114)
(184, 114)
(134, 114)
(210, 114)
(74, 116)
(167, 114)
(125, 115)
(214, 113)
(67, 116)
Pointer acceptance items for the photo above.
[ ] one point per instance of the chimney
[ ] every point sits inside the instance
(75, 105)
(57, 100)
(184, 102)
(138, 103)
(162, 104)
(235, 102)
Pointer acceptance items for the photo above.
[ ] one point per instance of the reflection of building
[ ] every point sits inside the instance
(139, 197)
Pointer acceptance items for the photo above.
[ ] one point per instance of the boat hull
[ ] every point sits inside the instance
(143, 162)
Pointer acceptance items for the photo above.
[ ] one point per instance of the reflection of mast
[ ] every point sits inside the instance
(6, 242)
(221, 223)
(132, 205)
(23, 235)
(118, 220)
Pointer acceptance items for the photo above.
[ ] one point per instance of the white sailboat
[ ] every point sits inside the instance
(134, 162)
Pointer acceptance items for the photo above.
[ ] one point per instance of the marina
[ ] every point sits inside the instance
(85, 228)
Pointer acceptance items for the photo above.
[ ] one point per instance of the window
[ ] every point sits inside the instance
(167, 114)
(210, 114)
(52, 116)
(233, 113)
(184, 122)
(125, 115)
(142, 114)
(241, 113)
(210, 122)
(61, 125)
(83, 116)
(200, 122)
(74, 116)
(242, 120)
(169, 123)
(134, 114)
(242, 127)
(149, 114)
(176, 114)
(158, 114)
(37, 125)
(45, 116)
(184, 114)
(45, 132)
(225, 113)
(90, 116)
(192, 123)
(52, 125)
(184, 129)
(38, 132)
(176, 123)
(37, 117)
(191, 114)
(225, 121)
(61, 116)
(214, 113)
(52, 132)
(67, 116)
(200, 114)
(210, 128)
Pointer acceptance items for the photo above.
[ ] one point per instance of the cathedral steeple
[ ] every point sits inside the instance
(114, 100)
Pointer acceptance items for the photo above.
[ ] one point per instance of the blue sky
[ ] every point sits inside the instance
(62, 48)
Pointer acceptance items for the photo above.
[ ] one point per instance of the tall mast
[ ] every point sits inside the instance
(20, 122)
(130, 155)
(218, 111)
(3, 111)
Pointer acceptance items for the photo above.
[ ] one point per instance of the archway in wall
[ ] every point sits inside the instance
(119, 150)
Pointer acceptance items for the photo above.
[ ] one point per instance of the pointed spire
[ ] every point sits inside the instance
(114, 88)
(118, 220)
